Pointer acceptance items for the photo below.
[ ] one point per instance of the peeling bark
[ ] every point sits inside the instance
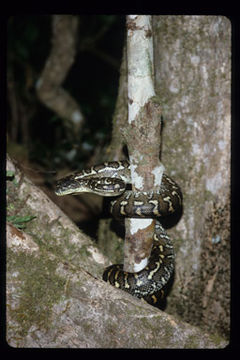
(192, 70)
(192, 61)
(142, 136)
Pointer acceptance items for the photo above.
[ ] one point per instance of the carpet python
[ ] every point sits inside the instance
(111, 179)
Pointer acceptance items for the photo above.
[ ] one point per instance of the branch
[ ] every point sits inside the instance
(55, 296)
(60, 60)
(142, 136)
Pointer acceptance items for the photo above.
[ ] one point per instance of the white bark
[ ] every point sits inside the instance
(140, 91)
(140, 64)
(56, 298)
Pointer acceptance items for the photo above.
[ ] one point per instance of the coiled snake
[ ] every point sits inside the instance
(110, 179)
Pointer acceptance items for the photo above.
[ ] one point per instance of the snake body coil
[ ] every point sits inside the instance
(111, 179)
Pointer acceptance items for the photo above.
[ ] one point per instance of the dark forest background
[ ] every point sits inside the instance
(35, 134)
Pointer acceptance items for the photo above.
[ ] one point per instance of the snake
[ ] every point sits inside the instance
(112, 179)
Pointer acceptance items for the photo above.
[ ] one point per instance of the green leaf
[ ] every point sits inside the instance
(20, 221)
(10, 174)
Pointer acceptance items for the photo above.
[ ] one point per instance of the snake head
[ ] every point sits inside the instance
(67, 186)
(73, 185)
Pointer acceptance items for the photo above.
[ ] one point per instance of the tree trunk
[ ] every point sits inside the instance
(49, 86)
(193, 74)
(192, 80)
(55, 296)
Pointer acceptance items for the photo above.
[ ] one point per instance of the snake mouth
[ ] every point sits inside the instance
(73, 185)
(62, 192)
(113, 180)
(66, 186)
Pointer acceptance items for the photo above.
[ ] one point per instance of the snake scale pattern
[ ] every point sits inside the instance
(111, 179)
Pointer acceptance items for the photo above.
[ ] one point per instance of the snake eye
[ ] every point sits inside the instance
(66, 186)
(112, 179)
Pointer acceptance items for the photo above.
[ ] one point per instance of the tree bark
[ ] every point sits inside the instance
(55, 295)
(193, 80)
(142, 137)
(192, 61)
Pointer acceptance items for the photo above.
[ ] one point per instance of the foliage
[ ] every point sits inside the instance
(20, 221)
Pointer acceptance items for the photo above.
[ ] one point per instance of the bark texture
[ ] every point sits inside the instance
(193, 80)
(193, 74)
(55, 295)
(141, 135)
